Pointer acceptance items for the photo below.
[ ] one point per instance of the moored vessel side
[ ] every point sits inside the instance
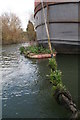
(63, 24)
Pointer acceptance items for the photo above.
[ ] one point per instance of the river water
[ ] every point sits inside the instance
(26, 90)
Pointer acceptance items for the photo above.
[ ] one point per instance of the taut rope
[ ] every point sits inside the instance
(47, 30)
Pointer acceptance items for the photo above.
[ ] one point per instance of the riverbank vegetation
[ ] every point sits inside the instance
(11, 29)
(12, 32)
(31, 31)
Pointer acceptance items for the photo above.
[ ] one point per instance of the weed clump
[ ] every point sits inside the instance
(35, 49)
(22, 49)
(56, 76)
(53, 64)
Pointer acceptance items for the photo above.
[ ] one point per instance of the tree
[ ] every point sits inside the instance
(31, 31)
(11, 28)
(31, 18)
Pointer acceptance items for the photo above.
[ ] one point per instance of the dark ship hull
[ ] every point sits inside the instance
(63, 24)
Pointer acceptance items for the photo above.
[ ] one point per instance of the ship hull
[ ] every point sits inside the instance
(63, 24)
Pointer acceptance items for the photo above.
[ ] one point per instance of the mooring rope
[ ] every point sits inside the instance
(61, 95)
(47, 30)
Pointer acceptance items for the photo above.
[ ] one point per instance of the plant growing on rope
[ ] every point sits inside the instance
(56, 80)
(56, 77)
(61, 87)
(53, 64)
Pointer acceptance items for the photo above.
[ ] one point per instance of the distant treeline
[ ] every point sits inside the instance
(12, 32)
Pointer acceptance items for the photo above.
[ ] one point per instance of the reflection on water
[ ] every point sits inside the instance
(26, 90)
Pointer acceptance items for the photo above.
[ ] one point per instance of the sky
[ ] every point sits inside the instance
(22, 8)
